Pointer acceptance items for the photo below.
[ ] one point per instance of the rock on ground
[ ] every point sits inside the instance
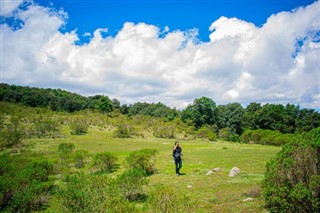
(234, 171)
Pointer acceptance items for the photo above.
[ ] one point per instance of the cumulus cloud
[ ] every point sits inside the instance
(278, 62)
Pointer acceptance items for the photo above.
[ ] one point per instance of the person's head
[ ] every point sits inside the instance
(176, 143)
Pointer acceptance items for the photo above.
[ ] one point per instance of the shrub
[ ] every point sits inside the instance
(24, 183)
(292, 179)
(79, 158)
(165, 199)
(143, 159)
(164, 131)
(123, 131)
(265, 137)
(46, 127)
(88, 193)
(65, 148)
(130, 184)
(12, 133)
(104, 162)
(206, 132)
(79, 126)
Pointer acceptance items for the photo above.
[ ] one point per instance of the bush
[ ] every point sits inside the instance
(206, 132)
(79, 158)
(292, 179)
(46, 127)
(88, 193)
(11, 133)
(166, 199)
(265, 137)
(164, 131)
(143, 159)
(79, 126)
(130, 184)
(104, 162)
(25, 184)
(123, 131)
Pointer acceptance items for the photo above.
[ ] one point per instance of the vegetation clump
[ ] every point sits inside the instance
(292, 179)
(143, 159)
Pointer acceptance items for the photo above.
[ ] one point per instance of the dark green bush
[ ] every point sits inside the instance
(130, 184)
(292, 179)
(143, 159)
(104, 162)
(24, 183)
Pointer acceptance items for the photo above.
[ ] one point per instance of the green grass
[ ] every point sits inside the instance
(215, 193)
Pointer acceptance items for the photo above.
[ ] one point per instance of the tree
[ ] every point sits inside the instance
(231, 116)
(202, 111)
(105, 104)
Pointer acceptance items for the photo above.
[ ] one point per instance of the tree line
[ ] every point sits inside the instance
(203, 112)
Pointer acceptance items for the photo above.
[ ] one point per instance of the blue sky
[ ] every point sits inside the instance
(265, 51)
(87, 16)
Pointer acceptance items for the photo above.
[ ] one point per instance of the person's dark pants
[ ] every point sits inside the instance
(178, 163)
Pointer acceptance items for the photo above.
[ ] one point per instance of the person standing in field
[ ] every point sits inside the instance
(177, 153)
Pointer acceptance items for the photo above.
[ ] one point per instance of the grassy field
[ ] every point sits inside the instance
(214, 193)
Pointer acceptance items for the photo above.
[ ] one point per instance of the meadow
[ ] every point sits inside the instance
(212, 193)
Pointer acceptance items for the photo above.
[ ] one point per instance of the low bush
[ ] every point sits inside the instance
(104, 162)
(130, 184)
(207, 132)
(165, 199)
(143, 159)
(292, 179)
(79, 125)
(265, 137)
(164, 131)
(79, 158)
(24, 182)
(92, 193)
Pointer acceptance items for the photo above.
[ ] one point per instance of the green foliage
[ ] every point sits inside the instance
(227, 134)
(155, 110)
(292, 179)
(164, 130)
(65, 148)
(105, 105)
(88, 193)
(231, 116)
(24, 183)
(166, 199)
(207, 132)
(130, 184)
(265, 137)
(202, 111)
(123, 131)
(143, 159)
(79, 125)
(11, 132)
(104, 162)
(79, 158)
(46, 127)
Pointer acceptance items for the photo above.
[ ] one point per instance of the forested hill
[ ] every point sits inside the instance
(203, 112)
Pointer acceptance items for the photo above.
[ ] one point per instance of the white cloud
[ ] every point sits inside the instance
(241, 62)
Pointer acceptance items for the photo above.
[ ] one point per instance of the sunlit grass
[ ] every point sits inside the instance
(215, 193)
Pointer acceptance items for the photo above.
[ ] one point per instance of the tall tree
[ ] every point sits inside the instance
(202, 111)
